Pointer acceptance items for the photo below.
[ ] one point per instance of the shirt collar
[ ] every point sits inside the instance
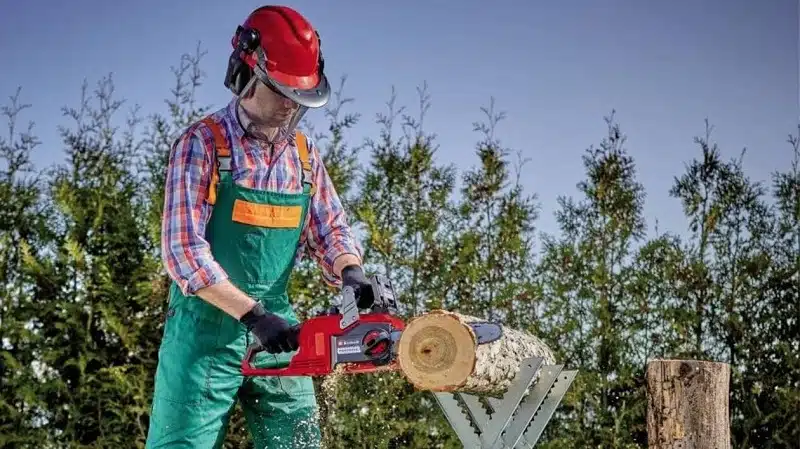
(243, 122)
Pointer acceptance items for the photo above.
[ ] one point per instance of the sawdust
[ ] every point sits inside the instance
(327, 401)
(387, 385)
(304, 433)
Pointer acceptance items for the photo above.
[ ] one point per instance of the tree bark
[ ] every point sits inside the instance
(687, 405)
(438, 351)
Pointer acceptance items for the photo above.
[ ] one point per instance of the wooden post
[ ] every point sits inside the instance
(687, 404)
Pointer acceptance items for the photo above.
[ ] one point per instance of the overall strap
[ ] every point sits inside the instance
(223, 157)
(302, 150)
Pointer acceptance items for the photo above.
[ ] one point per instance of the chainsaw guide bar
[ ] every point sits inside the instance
(486, 332)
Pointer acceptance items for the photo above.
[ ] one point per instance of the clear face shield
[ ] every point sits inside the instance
(240, 77)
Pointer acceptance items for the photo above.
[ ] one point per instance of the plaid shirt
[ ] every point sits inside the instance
(255, 164)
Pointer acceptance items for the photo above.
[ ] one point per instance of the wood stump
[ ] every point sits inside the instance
(438, 352)
(687, 405)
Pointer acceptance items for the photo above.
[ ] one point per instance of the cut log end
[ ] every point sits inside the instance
(438, 351)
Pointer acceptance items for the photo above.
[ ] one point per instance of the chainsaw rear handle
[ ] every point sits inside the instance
(250, 353)
(247, 363)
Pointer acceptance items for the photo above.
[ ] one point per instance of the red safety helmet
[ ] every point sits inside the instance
(281, 48)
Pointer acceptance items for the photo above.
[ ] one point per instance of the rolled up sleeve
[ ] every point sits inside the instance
(185, 252)
(328, 234)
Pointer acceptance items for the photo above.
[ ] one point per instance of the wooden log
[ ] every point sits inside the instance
(687, 404)
(438, 352)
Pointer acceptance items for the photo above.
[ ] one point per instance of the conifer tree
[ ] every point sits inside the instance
(23, 229)
(492, 276)
(88, 291)
(733, 256)
(585, 278)
(405, 200)
(697, 189)
(661, 328)
(768, 396)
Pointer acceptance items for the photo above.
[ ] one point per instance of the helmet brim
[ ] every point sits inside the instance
(315, 97)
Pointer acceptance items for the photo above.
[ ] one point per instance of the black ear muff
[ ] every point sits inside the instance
(239, 73)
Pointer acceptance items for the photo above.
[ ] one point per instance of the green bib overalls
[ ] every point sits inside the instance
(254, 236)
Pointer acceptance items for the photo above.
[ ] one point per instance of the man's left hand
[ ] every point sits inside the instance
(353, 276)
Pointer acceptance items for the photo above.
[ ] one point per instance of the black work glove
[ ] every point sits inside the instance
(273, 333)
(353, 276)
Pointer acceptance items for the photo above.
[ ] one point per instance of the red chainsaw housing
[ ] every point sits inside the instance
(314, 356)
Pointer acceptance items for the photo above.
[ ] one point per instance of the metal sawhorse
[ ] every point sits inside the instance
(518, 419)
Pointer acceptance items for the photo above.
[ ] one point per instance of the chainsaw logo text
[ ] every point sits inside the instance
(348, 346)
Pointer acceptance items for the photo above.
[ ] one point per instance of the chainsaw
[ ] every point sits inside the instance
(360, 342)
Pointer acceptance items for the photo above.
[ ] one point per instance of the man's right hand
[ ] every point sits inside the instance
(274, 333)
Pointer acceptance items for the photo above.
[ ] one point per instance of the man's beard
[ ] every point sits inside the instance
(270, 122)
(262, 132)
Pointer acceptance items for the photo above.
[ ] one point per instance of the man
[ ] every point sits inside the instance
(246, 196)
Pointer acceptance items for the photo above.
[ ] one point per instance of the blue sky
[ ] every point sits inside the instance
(556, 69)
